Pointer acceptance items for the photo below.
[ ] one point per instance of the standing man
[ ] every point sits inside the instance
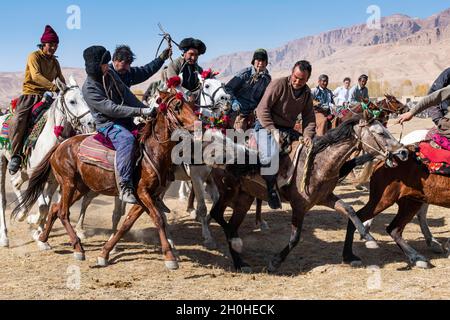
(359, 93)
(247, 88)
(342, 94)
(113, 107)
(284, 100)
(323, 106)
(42, 69)
(123, 57)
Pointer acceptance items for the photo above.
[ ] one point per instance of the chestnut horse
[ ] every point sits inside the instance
(409, 185)
(328, 155)
(77, 178)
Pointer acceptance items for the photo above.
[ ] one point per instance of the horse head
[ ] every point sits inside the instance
(73, 108)
(376, 140)
(213, 95)
(391, 105)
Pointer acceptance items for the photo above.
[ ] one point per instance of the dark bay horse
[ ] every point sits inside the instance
(77, 178)
(327, 157)
(410, 186)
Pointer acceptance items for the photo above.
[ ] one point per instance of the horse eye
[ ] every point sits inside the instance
(72, 102)
(207, 86)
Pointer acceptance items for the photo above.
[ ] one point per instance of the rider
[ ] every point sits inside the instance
(113, 107)
(42, 69)
(324, 96)
(284, 100)
(427, 102)
(359, 93)
(247, 89)
(440, 110)
(123, 57)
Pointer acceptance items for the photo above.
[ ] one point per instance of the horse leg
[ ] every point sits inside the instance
(21, 216)
(159, 222)
(70, 195)
(365, 176)
(377, 204)
(4, 241)
(42, 241)
(340, 206)
(37, 221)
(432, 243)
(118, 213)
(199, 177)
(87, 200)
(260, 223)
(298, 215)
(134, 213)
(407, 209)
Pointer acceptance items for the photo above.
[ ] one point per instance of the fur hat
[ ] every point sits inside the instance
(260, 54)
(191, 43)
(94, 57)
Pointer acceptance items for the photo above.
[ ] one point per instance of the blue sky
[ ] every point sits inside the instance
(225, 26)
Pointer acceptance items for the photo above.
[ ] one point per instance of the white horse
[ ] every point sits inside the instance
(212, 100)
(69, 111)
(414, 137)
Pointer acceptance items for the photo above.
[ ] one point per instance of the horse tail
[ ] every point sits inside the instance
(36, 185)
(352, 164)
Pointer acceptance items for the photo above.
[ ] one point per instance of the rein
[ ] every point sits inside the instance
(74, 120)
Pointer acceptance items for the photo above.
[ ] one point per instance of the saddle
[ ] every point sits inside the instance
(433, 156)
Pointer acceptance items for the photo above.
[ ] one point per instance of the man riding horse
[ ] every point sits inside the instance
(247, 88)
(123, 57)
(42, 69)
(284, 100)
(359, 93)
(113, 107)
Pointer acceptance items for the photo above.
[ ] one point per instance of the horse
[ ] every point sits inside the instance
(212, 101)
(69, 111)
(380, 110)
(324, 162)
(410, 191)
(77, 178)
(433, 244)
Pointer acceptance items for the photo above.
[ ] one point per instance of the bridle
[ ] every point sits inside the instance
(385, 153)
(68, 115)
(212, 97)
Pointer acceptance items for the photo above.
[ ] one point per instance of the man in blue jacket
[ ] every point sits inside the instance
(123, 57)
(439, 111)
(113, 107)
(247, 89)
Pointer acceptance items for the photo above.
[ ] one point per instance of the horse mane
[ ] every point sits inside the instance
(342, 132)
(147, 131)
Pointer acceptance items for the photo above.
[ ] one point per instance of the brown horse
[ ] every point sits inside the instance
(77, 178)
(381, 111)
(410, 186)
(328, 155)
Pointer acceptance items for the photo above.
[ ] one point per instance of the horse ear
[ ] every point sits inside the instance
(61, 85)
(72, 81)
(162, 94)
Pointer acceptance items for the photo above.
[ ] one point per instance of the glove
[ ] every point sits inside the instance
(148, 112)
(236, 106)
(48, 97)
(166, 54)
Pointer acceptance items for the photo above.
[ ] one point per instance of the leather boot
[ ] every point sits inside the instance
(274, 200)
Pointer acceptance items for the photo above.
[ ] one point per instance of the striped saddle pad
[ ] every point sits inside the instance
(95, 153)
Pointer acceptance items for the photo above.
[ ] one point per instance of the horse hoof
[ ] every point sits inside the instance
(263, 226)
(43, 246)
(273, 267)
(171, 265)
(210, 244)
(81, 234)
(102, 262)
(372, 245)
(422, 264)
(356, 264)
(79, 256)
(436, 247)
(237, 244)
(246, 270)
(4, 243)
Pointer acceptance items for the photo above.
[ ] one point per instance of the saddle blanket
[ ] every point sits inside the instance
(436, 160)
(93, 152)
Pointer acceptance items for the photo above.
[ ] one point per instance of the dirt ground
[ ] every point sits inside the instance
(312, 271)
